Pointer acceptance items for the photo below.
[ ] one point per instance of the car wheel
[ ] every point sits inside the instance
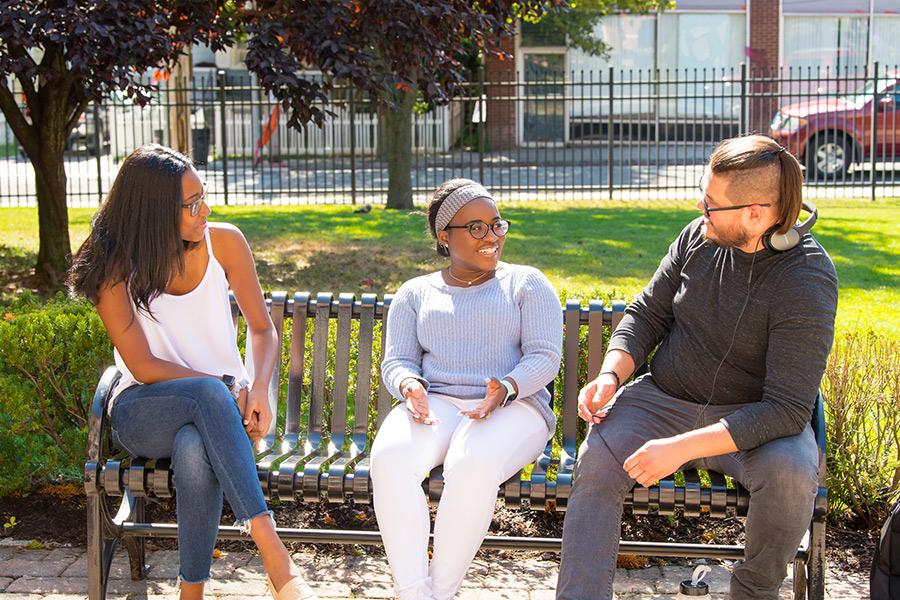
(828, 157)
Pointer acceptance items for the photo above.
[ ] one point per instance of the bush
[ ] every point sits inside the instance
(862, 395)
(53, 355)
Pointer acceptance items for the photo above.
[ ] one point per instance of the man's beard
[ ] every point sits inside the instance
(728, 240)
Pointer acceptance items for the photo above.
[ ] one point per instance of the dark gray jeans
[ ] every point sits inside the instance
(781, 476)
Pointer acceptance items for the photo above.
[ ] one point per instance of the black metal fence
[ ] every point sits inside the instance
(589, 135)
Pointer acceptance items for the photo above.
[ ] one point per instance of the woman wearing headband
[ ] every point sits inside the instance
(469, 352)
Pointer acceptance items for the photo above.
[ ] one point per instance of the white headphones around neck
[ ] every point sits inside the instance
(781, 242)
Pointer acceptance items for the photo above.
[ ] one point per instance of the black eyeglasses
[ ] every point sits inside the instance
(195, 205)
(707, 210)
(479, 229)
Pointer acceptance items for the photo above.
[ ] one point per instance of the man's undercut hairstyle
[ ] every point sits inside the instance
(440, 194)
(758, 169)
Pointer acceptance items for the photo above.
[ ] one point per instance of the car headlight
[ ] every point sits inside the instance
(787, 123)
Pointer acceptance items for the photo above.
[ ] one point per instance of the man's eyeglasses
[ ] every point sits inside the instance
(707, 209)
(195, 204)
(479, 229)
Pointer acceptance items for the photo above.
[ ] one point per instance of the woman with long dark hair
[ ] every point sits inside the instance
(470, 350)
(159, 275)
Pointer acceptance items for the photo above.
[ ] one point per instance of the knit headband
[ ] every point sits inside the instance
(456, 200)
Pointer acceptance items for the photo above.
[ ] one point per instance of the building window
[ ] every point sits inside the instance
(837, 44)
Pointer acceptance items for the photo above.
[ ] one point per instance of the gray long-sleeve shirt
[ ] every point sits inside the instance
(690, 308)
(453, 338)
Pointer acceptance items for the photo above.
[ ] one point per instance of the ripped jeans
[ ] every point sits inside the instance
(196, 422)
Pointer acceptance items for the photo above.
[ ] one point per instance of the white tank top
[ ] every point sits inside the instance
(194, 329)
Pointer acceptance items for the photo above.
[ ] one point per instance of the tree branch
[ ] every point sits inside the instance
(18, 52)
(73, 120)
(23, 131)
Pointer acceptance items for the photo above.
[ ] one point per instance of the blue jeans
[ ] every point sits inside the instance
(196, 422)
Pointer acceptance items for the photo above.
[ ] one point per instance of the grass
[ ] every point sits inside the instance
(608, 249)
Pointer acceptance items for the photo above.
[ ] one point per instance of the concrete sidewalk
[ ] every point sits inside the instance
(60, 574)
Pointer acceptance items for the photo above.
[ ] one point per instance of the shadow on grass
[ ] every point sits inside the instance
(17, 272)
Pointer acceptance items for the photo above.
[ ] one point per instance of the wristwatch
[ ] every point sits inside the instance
(235, 385)
(229, 382)
(510, 393)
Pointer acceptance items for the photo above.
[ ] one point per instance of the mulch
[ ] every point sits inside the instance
(55, 514)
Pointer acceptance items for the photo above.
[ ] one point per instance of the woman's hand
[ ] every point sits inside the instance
(417, 401)
(494, 396)
(256, 412)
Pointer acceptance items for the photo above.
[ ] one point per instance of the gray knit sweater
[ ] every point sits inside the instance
(691, 308)
(453, 338)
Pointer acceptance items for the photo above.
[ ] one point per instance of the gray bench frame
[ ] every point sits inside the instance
(315, 460)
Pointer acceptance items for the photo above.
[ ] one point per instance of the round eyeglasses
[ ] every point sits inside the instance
(479, 229)
(194, 205)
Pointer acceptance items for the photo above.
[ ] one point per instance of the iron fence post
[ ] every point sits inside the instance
(609, 136)
(873, 146)
(98, 148)
(223, 143)
(482, 115)
(743, 118)
(352, 106)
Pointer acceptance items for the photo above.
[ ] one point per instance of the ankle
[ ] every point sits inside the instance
(280, 568)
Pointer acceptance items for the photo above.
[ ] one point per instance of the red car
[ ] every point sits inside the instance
(829, 134)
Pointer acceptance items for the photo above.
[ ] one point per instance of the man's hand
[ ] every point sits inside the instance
(417, 401)
(494, 396)
(655, 459)
(594, 396)
(257, 413)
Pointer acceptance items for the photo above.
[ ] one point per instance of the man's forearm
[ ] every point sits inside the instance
(619, 362)
(713, 440)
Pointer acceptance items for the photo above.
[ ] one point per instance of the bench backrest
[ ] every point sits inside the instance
(331, 361)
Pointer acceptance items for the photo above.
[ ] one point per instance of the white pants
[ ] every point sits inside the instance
(478, 456)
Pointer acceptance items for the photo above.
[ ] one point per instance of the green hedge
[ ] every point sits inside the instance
(53, 354)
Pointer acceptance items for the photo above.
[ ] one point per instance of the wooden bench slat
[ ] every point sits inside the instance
(385, 400)
(595, 338)
(297, 367)
(341, 369)
(320, 362)
(364, 367)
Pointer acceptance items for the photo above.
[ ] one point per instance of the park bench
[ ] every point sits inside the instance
(328, 429)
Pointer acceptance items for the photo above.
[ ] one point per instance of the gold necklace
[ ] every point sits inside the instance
(470, 282)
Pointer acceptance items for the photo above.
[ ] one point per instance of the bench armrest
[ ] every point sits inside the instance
(97, 422)
(818, 423)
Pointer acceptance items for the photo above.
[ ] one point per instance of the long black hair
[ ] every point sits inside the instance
(136, 235)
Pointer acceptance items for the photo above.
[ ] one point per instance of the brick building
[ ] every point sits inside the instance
(791, 37)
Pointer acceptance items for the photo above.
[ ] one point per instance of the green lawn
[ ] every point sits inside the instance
(608, 249)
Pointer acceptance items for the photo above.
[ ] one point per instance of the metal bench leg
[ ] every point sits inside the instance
(137, 556)
(815, 567)
(799, 579)
(100, 549)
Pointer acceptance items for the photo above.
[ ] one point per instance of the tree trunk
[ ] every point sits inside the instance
(398, 147)
(55, 251)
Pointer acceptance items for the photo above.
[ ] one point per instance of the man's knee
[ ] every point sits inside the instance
(598, 471)
(786, 471)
